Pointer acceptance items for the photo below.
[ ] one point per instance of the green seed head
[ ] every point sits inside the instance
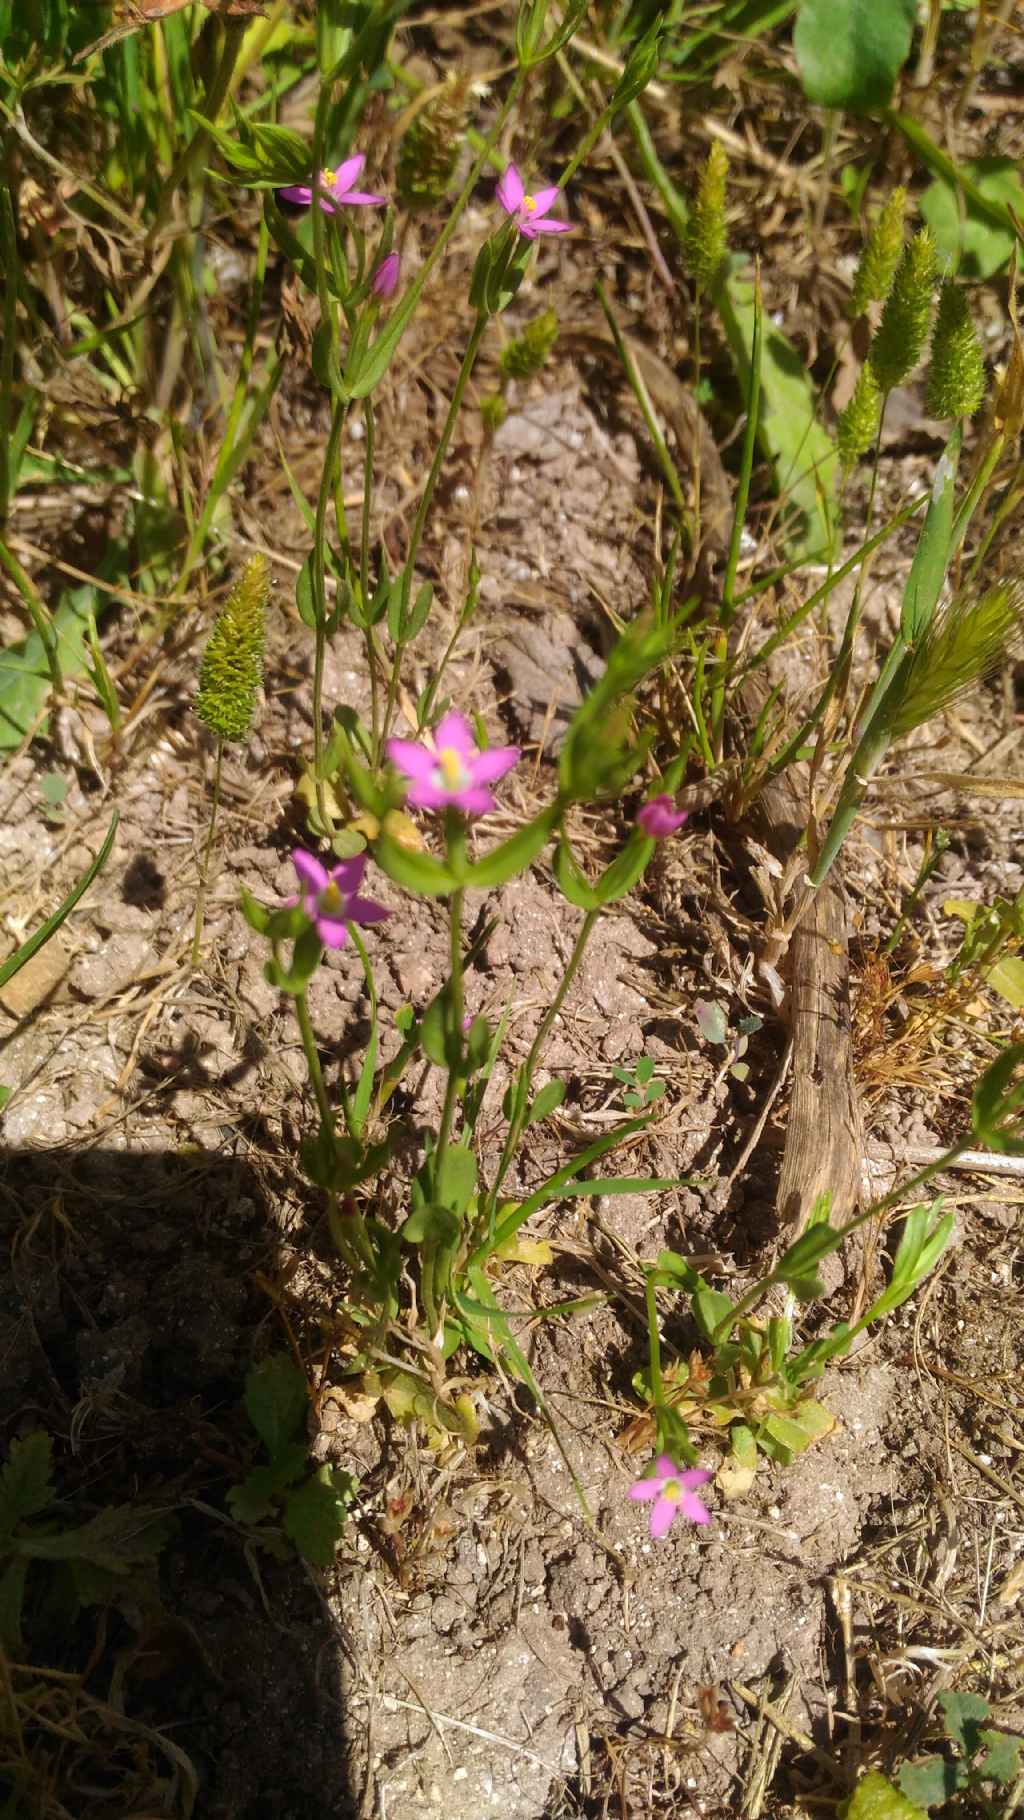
(903, 330)
(232, 668)
(529, 352)
(430, 148)
(956, 380)
(881, 255)
(858, 423)
(704, 242)
(493, 412)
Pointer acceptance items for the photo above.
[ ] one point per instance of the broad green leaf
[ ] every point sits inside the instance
(316, 1514)
(934, 547)
(933, 1782)
(117, 1539)
(1007, 978)
(710, 1309)
(547, 1101)
(977, 243)
(276, 1402)
(26, 1482)
(24, 674)
(414, 871)
(254, 1499)
(1001, 1762)
(875, 1798)
(850, 52)
(789, 1433)
(965, 1714)
(802, 451)
(711, 1021)
(514, 854)
(998, 1102)
(455, 1177)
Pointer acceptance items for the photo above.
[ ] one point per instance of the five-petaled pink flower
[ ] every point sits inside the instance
(529, 212)
(335, 188)
(448, 770)
(330, 899)
(672, 1491)
(385, 278)
(660, 817)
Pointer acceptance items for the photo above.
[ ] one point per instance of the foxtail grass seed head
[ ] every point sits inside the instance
(956, 378)
(965, 641)
(881, 255)
(903, 330)
(232, 668)
(430, 149)
(493, 412)
(704, 241)
(528, 354)
(858, 423)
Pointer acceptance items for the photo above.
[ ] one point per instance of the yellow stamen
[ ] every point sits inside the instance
(331, 899)
(327, 179)
(672, 1490)
(451, 767)
(529, 204)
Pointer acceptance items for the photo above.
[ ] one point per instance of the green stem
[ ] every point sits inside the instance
(518, 1124)
(319, 581)
(204, 867)
(41, 618)
(316, 1075)
(654, 1342)
(455, 406)
(11, 268)
(364, 570)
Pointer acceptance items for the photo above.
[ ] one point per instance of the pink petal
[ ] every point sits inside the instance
(408, 756)
(298, 193)
(544, 199)
(510, 190)
(692, 1508)
(644, 1490)
(661, 1518)
(488, 766)
(452, 730)
(474, 801)
(362, 200)
(692, 1477)
(364, 910)
(348, 874)
(309, 869)
(547, 227)
(427, 795)
(332, 933)
(665, 1467)
(345, 175)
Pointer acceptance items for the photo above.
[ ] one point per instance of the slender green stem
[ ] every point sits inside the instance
(426, 500)
(842, 1233)
(517, 1124)
(319, 581)
(456, 840)
(316, 1074)
(11, 274)
(364, 570)
(204, 867)
(39, 614)
(654, 1341)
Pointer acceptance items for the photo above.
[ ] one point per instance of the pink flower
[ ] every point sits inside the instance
(448, 770)
(672, 1491)
(529, 212)
(660, 817)
(335, 188)
(330, 899)
(385, 278)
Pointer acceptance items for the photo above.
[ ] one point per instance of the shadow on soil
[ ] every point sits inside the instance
(129, 1316)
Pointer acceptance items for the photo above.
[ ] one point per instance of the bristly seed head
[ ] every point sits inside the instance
(903, 330)
(232, 668)
(881, 255)
(858, 423)
(964, 642)
(956, 380)
(704, 242)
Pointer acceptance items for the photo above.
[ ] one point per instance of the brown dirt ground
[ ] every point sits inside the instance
(481, 1647)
